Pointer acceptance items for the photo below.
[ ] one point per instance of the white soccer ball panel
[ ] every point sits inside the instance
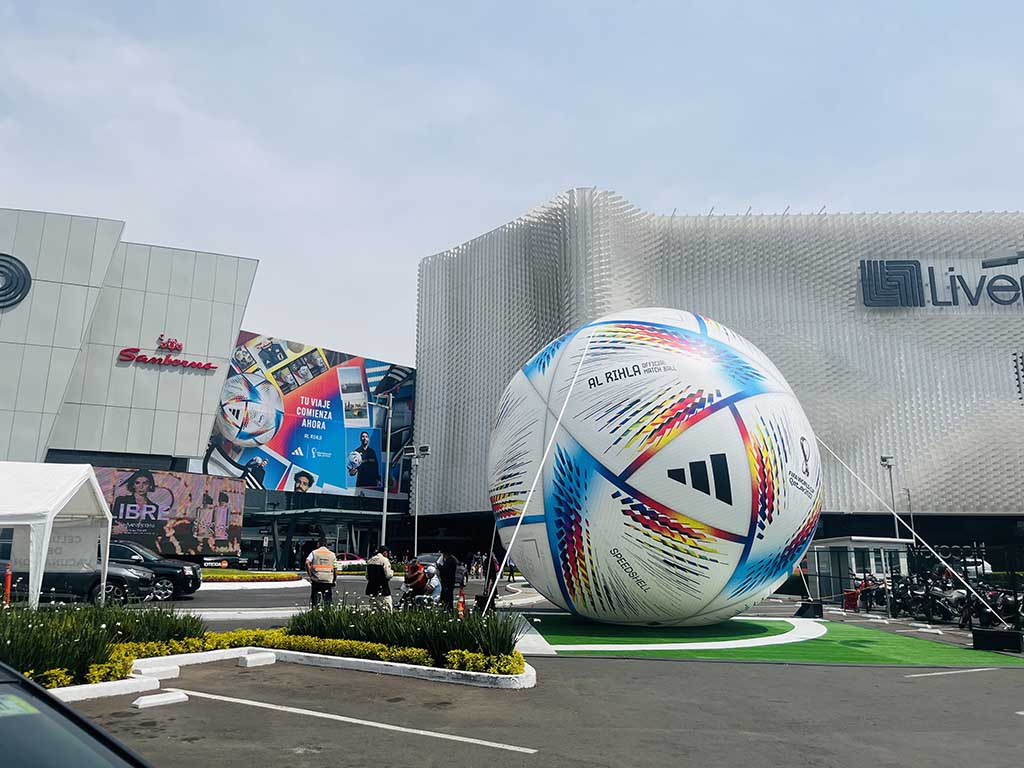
(684, 480)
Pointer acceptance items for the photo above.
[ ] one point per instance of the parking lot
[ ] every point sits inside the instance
(585, 712)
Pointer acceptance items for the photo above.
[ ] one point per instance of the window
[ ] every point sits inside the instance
(861, 563)
(6, 540)
(120, 552)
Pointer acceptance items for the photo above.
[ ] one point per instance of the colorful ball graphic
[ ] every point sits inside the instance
(682, 485)
(355, 460)
(251, 410)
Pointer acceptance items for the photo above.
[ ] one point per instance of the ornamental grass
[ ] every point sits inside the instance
(432, 628)
(72, 638)
(68, 645)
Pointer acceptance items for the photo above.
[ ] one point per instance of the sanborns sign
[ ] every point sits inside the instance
(134, 355)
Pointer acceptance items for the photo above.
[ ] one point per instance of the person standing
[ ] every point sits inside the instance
(511, 570)
(378, 578)
(447, 571)
(322, 567)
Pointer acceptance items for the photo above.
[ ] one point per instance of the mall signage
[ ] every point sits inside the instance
(900, 283)
(167, 346)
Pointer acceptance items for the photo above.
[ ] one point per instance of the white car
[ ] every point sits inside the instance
(347, 561)
(973, 568)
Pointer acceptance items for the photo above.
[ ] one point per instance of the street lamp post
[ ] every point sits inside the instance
(910, 511)
(415, 453)
(387, 472)
(888, 463)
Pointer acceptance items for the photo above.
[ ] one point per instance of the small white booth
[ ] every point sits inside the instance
(59, 518)
(837, 564)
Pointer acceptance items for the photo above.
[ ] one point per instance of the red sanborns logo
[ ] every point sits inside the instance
(132, 355)
(172, 345)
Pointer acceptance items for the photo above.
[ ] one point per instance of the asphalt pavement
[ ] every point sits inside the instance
(583, 712)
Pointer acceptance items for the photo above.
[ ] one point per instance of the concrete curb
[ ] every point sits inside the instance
(524, 598)
(141, 682)
(527, 679)
(230, 586)
(102, 690)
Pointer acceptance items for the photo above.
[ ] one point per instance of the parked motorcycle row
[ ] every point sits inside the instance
(938, 599)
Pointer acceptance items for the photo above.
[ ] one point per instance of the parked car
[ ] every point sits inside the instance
(124, 584)
(348, 561)
(431, 558)
(174, 578)
(37, 730)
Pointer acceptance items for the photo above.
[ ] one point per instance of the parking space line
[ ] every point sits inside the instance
(356, 721)
(954, 672)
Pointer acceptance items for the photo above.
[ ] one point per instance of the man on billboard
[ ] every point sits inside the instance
(365, 470)
(303, 482)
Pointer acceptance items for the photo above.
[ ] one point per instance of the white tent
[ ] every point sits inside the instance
(59, 516)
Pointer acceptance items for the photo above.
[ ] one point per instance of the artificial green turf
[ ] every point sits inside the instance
(570, 630)
(842, 644)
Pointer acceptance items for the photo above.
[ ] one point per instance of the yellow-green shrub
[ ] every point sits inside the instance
(418, 656)
(53, 678)
(467, 661)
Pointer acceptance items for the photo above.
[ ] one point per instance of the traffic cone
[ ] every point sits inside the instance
(462, 603)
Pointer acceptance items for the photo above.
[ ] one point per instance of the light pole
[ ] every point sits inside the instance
(910, 510)
(415, 453)
(387, 472)
(888, 463)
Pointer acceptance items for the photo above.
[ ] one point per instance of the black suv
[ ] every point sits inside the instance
(124, 584)
(173, 577)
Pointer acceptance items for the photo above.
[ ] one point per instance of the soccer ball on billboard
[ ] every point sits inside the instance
(251, 410)
(680, 488)
(355, 460)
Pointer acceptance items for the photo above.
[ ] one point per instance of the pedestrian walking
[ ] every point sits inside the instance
(322, 567)
(378, 579)
(511, 571)
(447, 570)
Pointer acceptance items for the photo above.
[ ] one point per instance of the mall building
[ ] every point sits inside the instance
(902, 335)
(123, 355)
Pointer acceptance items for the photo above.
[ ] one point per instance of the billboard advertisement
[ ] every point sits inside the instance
(294, 417)
(175, 513)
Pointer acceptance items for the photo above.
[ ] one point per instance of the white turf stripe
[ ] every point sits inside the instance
(356, 721)
(954, 672)
(803, 629)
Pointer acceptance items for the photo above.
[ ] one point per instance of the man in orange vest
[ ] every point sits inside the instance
(321, 565)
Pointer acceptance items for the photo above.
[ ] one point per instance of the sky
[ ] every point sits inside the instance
(340, 143)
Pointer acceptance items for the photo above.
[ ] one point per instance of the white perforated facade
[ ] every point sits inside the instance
(936, 385)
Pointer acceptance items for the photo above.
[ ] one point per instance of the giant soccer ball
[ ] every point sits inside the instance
(682, 484)
(251, 410)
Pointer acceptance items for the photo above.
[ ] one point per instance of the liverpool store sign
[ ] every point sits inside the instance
(901, 283)
(167, 346)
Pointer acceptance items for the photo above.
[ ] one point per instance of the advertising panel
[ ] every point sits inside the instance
(294, 417)
(175, 513)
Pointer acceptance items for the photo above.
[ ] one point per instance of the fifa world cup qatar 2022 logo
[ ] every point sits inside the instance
(903, 283)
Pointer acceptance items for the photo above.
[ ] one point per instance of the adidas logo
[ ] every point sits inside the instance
(297, 451)
(699, 479)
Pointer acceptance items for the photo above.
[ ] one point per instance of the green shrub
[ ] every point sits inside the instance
(69, 639)
(504, 664)
(72, 640)
(434, 629)
(466, 661)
